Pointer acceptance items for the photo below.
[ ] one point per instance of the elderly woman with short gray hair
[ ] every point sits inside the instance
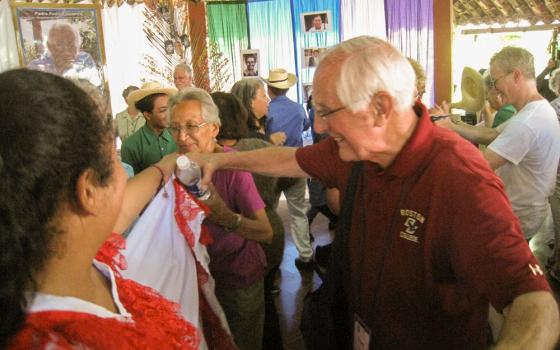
(237, 220)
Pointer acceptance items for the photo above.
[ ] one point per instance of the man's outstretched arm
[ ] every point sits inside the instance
(270, 161)
(531, 322)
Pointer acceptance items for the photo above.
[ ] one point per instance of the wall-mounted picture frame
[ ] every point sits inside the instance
(66, 40)
(250, 63)
(316, 22)
(311, 56)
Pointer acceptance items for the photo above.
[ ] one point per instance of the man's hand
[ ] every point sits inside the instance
(438, 111)
(487, 114)
(278, 138)
(208, 163)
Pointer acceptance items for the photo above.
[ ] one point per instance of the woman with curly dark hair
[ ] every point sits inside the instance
(62, 192)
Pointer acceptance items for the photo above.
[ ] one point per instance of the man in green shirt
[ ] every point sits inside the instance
(151, 142)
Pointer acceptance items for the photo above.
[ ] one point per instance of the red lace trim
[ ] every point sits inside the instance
(187, 208)
(155, 324)
(215, 335)
(110, 254)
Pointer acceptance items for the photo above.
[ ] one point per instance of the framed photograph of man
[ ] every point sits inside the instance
(311, 56)
(62, 39)
(316, 22)
(250, 63)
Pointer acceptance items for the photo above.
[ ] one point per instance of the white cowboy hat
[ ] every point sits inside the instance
(280, 78)
(473, 91)
(148, 89)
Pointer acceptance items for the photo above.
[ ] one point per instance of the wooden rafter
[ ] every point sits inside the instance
(503, 11)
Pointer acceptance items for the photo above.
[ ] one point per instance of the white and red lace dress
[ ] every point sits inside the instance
(145, 320)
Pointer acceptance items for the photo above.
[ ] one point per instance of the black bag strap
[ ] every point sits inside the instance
(338, 253)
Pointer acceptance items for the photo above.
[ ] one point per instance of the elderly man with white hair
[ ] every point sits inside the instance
(182, 76)
(433, 240)
(64, 56)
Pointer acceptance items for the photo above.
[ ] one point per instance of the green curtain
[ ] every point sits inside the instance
(227, 27)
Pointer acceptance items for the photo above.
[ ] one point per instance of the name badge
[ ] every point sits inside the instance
(362, 334)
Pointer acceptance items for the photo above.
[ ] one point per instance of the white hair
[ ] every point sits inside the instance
(511, 57)
(183, 67)
(66, 26)
(372, 65)
(210, 112)
(554, 81)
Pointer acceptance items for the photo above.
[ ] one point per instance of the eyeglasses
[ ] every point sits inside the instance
(189, 129)
(493, 82)
(327, 114)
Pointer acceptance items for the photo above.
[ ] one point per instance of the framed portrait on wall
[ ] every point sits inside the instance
(311, 56)
(250, 63)
(316, 22)
(61, 39)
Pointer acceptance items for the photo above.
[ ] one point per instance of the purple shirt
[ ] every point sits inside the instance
(236, 262)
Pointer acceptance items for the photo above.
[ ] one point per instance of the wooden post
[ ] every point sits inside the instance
(443, 39)
(198, 34)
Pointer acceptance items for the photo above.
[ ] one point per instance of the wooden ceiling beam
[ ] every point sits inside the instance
(494, 13)
(503, 11)
(554, 7)
(474, 13)
(487, 17)
(510, 30)
(548, 17)
(498, 6)
(539, 12)
(518, 7)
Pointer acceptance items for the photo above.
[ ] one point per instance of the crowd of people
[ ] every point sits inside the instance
(438, 254)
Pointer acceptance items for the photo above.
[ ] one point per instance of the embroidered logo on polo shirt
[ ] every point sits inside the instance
(412, 222)
(536, 269)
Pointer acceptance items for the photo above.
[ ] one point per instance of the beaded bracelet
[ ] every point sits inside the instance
(162, 184)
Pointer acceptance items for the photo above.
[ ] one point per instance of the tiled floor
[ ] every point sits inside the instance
(294, 284)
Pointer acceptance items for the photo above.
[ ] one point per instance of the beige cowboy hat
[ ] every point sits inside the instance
(280, 78)
(148, 89)
(473, 91)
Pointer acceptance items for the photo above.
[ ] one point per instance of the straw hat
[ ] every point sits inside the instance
(148, 89)
(280, 78)
(473, 91)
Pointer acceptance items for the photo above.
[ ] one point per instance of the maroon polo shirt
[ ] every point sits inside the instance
(433, 241)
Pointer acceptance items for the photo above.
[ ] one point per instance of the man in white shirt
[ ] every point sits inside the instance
(525, 154)
(317, 25)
